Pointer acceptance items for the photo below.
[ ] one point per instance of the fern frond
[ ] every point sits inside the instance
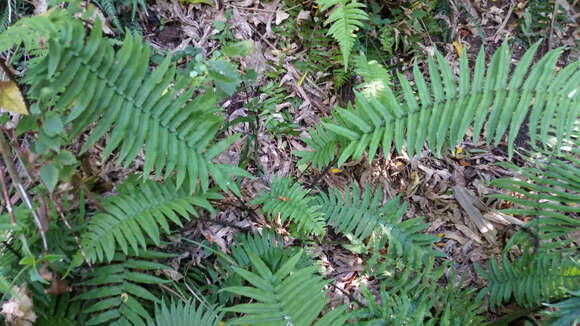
(442, 113)
(29, 30)
(375, 76)
(344, 20)
(530, 282)
(549, 192)
(137, 214)
(567, 313)
(118, 290)
(363, 215)
(57, 310)
(408, 296)
(286, 296)
(186, 314)
(291, 202)
(108, 7)
(323, 144)
(266, 245)
(154, 111)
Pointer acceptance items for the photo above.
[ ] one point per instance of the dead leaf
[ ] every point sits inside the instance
(19, 310)
(464, 199)
(303, 15)
(281, 16)
(11, 99)
(57, 287)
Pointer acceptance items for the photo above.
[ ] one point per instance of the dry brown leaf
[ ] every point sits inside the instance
(11, 99)
(19, 310)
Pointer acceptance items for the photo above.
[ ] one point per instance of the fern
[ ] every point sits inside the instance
(155, 111)
(530, 282)
(290, 202)
(568, 312)
(57, 310)
(324, 144)
(550, 193)
(30, 30)
(363, 216)
(186, 314)
(137, 213)
(441, 115)
(108, 7)
(286, 296)
(117, 291)
(411, 298)
(376, 77)
(344, 20)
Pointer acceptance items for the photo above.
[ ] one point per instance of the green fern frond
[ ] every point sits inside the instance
(186, 314)
(266, 245)
(344, 20)
(30, 30)
(567, 313)
(108, 7)
(153, 111)
(363, 215)
(286, 296)
(291, 202)
(57, 310)
(549, 192)
(530, 282)
(323, 144)
(137, 214)
(376, 77)
(408, 296)
(442, 113)
(118, 290)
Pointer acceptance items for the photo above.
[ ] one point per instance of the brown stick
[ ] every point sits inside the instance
(7, 197)
(5, 151)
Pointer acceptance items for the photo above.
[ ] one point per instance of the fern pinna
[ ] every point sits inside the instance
(442, 113)
(138, 108)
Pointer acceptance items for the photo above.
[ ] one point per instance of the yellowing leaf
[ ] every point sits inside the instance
(458, 48)
(335, 171)
(207, 2)
(11, 99)
(301, 80)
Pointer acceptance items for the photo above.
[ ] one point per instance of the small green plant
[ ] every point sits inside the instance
(345, 20)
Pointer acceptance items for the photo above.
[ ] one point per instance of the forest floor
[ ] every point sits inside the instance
(426, 183)
(429, 184)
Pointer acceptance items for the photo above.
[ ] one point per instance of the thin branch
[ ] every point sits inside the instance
(5, 151)
(7, 197)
